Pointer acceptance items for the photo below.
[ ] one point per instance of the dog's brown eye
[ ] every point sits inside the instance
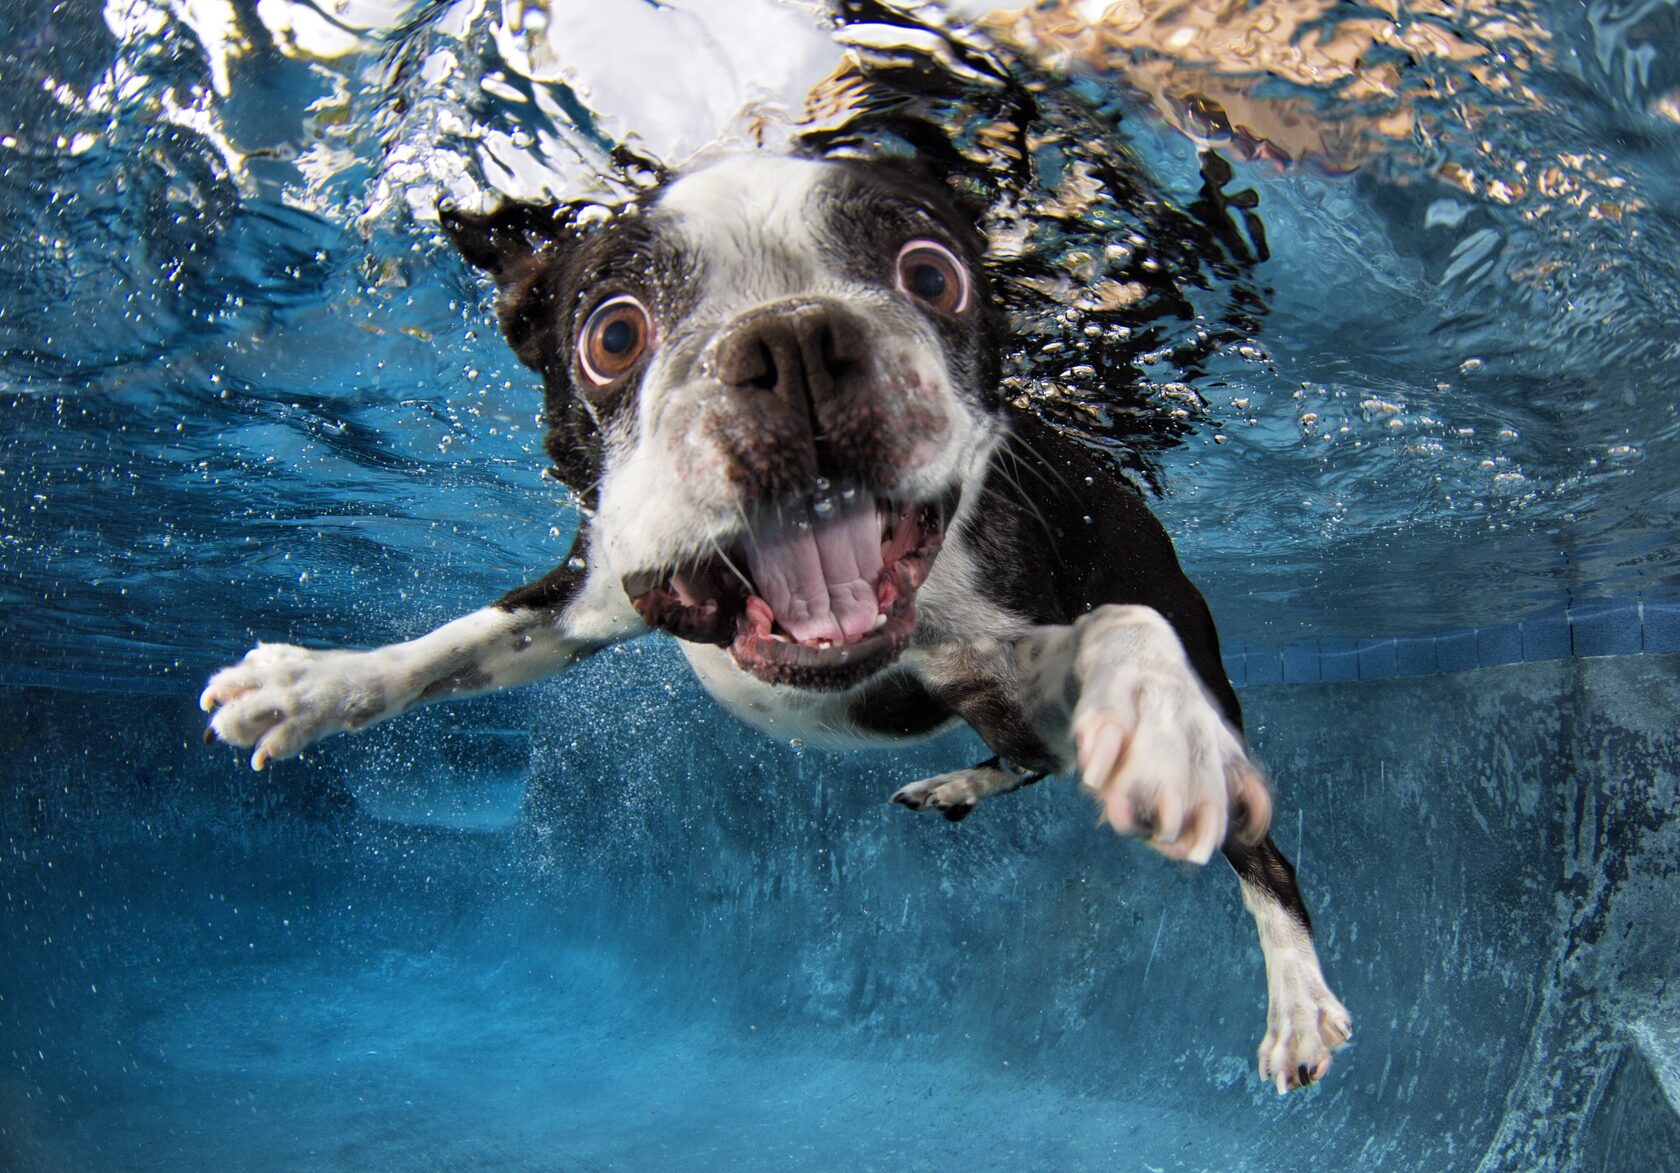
(931, 273)
(613, 338)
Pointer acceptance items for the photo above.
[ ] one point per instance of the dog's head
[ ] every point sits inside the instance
(773, 378)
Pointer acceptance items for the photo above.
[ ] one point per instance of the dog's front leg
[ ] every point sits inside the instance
(1305, 1022)
(1116, 693)
(1155, 747)
(282, 698)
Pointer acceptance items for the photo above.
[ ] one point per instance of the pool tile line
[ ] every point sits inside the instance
(1596, 628)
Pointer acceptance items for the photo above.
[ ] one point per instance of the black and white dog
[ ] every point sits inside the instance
(775, 386)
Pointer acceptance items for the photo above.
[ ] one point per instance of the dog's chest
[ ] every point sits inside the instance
(882, 713)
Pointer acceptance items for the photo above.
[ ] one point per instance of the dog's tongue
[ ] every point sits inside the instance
(818, 573)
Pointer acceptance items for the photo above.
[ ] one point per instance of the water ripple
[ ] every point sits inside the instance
(1381, 296)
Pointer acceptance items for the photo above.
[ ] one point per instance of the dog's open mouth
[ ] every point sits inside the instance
(817, 594)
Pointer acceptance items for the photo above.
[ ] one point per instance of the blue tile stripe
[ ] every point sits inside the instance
(1597, 627)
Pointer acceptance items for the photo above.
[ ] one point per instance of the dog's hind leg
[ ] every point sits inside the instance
(281, 698)
(1304, 1021)
(954, 795)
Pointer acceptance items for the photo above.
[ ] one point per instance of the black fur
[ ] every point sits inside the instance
(554, 590)
(899, 705)
(1055, 515)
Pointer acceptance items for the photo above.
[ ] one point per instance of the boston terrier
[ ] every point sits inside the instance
(774, 385)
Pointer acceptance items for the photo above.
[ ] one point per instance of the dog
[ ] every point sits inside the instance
(774, 384)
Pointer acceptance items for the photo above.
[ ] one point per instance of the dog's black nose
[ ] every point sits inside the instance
(796, 352)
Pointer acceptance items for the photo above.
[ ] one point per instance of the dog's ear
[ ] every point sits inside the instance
(501, 241)
(519, 245)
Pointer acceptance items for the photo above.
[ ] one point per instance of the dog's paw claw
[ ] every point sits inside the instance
(1300, 1039)
(1166, 768)
(279, 699)
(1172, 783)
(1154, 749)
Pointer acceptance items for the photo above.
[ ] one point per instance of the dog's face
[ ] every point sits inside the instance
(790, 370)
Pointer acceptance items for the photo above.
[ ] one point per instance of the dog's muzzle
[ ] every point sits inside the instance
(818, 593)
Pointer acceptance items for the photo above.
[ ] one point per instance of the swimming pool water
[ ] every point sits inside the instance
(1429, 490)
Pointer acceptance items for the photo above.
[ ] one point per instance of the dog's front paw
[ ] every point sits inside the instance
(1304, 1023)
(281, 699)
(1152, 747)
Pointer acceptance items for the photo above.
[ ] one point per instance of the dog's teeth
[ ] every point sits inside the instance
(824, 645)
(780, 638)
(880, 621)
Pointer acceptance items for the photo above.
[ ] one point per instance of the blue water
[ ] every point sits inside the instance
(1429, 487)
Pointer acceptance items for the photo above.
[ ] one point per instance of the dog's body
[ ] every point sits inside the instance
(775, 387)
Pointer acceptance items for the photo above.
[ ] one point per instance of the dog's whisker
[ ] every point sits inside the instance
(1015, 463)
(733, 569)
(1012, 472)
(1043, 468)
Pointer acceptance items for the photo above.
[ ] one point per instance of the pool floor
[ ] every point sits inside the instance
(292, 1036)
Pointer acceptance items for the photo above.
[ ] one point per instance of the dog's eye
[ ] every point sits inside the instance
(931, 273)
(613, 338)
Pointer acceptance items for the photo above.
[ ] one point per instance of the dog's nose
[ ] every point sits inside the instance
(797, 352)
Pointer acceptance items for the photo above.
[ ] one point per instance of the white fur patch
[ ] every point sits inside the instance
(821, 720)
(954, 604)
(751, 218)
